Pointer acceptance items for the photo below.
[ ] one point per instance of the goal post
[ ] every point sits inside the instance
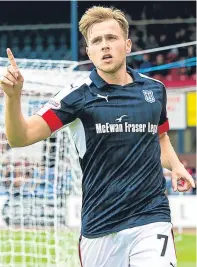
(40, 185)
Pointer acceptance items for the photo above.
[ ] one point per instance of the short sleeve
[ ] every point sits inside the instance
(62, 109)
(163, 122)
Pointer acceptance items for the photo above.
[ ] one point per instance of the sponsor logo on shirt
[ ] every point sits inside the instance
(121, 118)
(125, 127)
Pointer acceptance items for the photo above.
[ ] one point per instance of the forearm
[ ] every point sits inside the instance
(15, 123)
(169, 159)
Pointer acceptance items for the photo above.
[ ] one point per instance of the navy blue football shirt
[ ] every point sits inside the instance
(116, 132)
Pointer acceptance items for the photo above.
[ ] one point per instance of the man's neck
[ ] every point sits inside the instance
(121, 77)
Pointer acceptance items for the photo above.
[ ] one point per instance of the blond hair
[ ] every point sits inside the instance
(97, 14)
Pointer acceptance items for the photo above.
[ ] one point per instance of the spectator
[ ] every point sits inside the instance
(163, 40)
(151, 42)
(159, 62)
(146, 63)
(191, 53)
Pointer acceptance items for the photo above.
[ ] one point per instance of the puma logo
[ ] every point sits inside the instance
(102, 96)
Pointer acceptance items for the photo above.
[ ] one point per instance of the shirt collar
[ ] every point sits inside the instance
(99, 82)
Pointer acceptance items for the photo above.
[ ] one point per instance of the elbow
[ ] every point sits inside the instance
(16, 140)
(13, 143)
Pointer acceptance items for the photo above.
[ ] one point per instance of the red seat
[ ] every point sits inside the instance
(169, 77)
(183, 77)
(157, 77)
(193, 77)
(174, 74)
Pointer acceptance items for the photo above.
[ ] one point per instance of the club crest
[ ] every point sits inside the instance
(148, 95)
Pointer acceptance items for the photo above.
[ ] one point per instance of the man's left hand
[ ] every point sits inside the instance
(181, 179)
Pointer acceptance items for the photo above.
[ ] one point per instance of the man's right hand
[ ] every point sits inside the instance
(20, 131)
(12, 81)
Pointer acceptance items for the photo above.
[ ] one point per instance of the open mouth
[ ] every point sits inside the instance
(107, 56)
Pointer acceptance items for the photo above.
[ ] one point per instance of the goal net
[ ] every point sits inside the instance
(40, 185)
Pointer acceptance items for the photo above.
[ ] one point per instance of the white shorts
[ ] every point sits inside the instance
(150, 245)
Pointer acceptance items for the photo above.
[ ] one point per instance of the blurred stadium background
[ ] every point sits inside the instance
(40, 186)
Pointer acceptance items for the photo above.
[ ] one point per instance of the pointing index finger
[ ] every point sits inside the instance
(11, 58)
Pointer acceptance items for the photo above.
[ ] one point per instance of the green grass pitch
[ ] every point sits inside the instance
(186, 250)
(38, 248)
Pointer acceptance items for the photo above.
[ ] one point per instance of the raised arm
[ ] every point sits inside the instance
(20, 131)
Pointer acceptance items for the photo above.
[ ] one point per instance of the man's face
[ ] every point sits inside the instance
(107, 46)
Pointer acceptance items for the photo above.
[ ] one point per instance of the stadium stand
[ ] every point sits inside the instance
(55, 44)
